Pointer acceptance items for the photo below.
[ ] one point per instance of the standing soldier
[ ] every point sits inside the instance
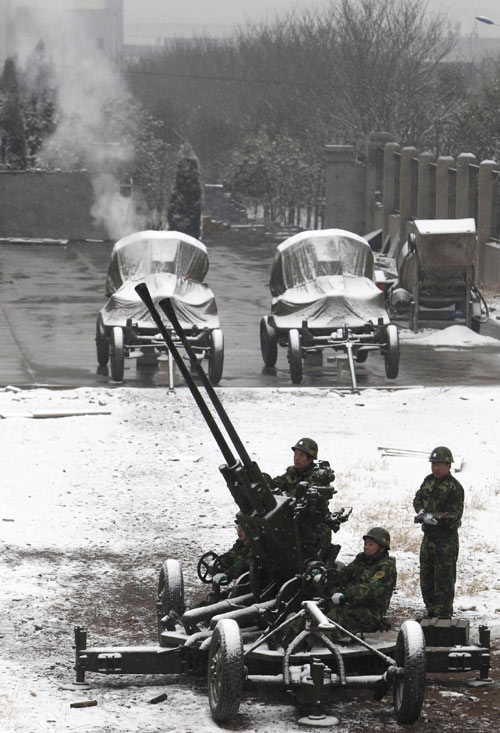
(439, 504)
(297, 481)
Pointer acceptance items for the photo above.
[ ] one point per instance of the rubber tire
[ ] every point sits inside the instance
(117, 354)
(268, 343)
(475, 325)
(216, 356)
(392, 352)
(295, 356)
(102, 345)
(170, 591)
(226, 671)
(362, 356)
(409, 690)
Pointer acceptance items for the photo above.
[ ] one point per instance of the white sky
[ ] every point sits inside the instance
(206, 13)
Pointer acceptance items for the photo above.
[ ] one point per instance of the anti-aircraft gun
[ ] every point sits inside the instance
(253, 637)
(271, 522)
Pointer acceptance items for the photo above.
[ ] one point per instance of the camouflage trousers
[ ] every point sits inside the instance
(354, 618)
(438, 572)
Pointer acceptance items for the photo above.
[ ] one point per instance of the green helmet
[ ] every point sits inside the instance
(441, 454)
(307, 445)
(379, 535)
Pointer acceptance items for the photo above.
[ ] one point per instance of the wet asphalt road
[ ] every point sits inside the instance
(51, 294)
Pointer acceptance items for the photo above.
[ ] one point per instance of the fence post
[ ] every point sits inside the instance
(444, 163)
(405, 190)
(389, 186)
(374, 172)
(423, 189)
(484, 213)
(464, 161)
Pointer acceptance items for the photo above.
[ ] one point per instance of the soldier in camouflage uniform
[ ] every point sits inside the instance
(235, 561)
(316, 533)
(360, 593)
(439, 504)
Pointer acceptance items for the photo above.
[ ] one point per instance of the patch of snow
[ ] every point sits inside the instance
(457, 335)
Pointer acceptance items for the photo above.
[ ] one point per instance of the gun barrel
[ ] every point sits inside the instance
(143, 292)
(168, 308)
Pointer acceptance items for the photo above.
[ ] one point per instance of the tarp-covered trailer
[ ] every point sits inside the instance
(173, 265)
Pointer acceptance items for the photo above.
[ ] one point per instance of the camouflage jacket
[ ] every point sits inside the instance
(369, 580)
(313, 508)
(235, 561)
(320, 474)
(441, 496)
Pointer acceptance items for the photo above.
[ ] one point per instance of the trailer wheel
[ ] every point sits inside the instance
(409, 690)
(362, 356)
(102, 345)
(268, 343)
(117, 354)
(226, 671)
(216, 356)
(170, 591)
(475, 324)
(391, 351)
(295, 356)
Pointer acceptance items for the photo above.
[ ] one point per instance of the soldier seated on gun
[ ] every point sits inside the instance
(228, 566)
(235, 562)
(359, 593)
(305, 472)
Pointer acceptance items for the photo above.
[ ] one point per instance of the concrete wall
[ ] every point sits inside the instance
(344, 190)
(55, 205)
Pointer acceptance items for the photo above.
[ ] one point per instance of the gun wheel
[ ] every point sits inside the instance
(391, 351)
(170, 592)
(102, 345)
(268, 343)
(409, 690)
(295, 356)
(226, 671)
(117, 354)
(216, 356)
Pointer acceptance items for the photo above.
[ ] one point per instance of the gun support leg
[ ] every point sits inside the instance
(80, 646)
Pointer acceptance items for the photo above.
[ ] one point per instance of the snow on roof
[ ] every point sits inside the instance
(445, 226)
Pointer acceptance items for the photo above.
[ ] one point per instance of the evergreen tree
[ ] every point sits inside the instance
(39, 98)
(12, 132)
(184, 208)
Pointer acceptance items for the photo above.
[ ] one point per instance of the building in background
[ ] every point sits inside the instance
(101, 20)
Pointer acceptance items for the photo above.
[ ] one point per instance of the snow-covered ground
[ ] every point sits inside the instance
(91, 506)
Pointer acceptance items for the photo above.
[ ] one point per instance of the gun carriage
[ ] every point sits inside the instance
(246, 635)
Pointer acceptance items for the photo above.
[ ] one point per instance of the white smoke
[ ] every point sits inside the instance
(86, 82)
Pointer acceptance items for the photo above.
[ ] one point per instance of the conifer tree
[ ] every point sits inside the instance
(184, 208)
(12, 131)
(39, 99)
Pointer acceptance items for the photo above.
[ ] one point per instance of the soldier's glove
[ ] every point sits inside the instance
(429, 518)
(420, 517)
(338, 599)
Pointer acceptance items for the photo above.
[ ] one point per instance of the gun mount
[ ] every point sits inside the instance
(271, 522)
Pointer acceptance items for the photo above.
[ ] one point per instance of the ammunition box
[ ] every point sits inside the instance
(445, 632)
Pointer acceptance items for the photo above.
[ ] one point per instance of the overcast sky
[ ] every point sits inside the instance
(206, 13)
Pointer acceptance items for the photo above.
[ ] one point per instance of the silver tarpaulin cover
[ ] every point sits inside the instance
(172, 265)
(150, 252)
(326, 278)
